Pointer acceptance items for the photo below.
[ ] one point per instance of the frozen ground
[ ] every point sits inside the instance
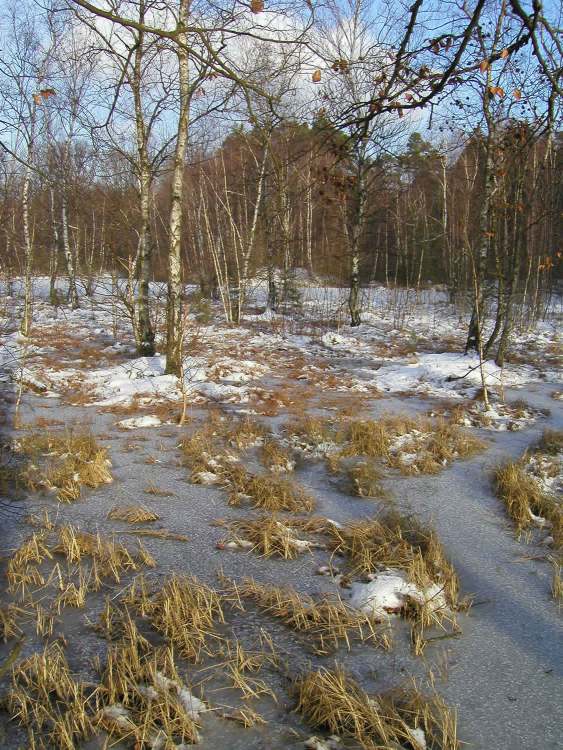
(503, 673)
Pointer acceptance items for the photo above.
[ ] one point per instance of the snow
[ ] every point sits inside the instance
(388, 591)
(339, 343)
(192, 705)
(418, 738)
(143, 376)
(330, 743)
(449, 374)
(150, 420)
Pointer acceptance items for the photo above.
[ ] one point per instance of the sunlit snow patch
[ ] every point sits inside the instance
(150, 420)
(388, 592)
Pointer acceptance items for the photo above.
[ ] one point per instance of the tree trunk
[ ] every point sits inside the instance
(54, 255)
(145, 332)
(69, 257)
(355, 237)
(174, 300)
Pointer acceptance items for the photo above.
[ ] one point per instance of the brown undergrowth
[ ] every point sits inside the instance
(63, 463)
(328, 622)
(405, 717)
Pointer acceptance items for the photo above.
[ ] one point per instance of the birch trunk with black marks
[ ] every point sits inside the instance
(27, 240)
(143, 326)
(473, 342)
(174, 290)
(355, 238)
(67, 250)
(54, 254)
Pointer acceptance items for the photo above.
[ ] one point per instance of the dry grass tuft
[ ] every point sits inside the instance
(152, 489)
(110, 559)
(398, 543)
(184, 610)
(526, 503)
(556, 582)
(240, 666)
(268, 491)
(9, 627)
(328, 623)
(431, 447)
(40, 520)
(331, 700)
(44, 698)
(275, 457)
(132, 514)
(64, 463)
(366, 438)
(311, 430)
(22, 570)
(365, 479)
(246, 433)
(142, 698)
(269, 536)
(158, 534)
(551, 442)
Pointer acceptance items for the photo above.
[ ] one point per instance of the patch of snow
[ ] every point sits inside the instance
(388, 591)
(339, 343)
(150, 420)
(418, 738)
(330, 743)
(449, 374)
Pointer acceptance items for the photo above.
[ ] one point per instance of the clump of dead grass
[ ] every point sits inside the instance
(269, 536)
(394, 541)
(132, 514)
(184, 610)
(9, 627)
(556, 581)
(142, 698)
(23, 567)
(267, 491)
(275, 457)
(311, 430)
(551, 442)
(430, 447)
(64, 463)
(332, 700)
(398, 543)
(328, 623)
(110, 559)
(246, 433)
(153, 489)
(365, 480)
(45, 698)
(526, 503)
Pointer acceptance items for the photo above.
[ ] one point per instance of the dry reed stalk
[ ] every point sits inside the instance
(332, 700)
(268, 536)
(184, 610)
(158, 534)
(152, 489)
(328, 622)
(110, 558)
(64, 463)
(132, 514)
(275, 457)
(142, 698)
(22, 570)
(268, 491)
(44, 698)
(9, 627)
(526, 503)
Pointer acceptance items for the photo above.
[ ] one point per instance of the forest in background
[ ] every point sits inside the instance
(217, 143)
